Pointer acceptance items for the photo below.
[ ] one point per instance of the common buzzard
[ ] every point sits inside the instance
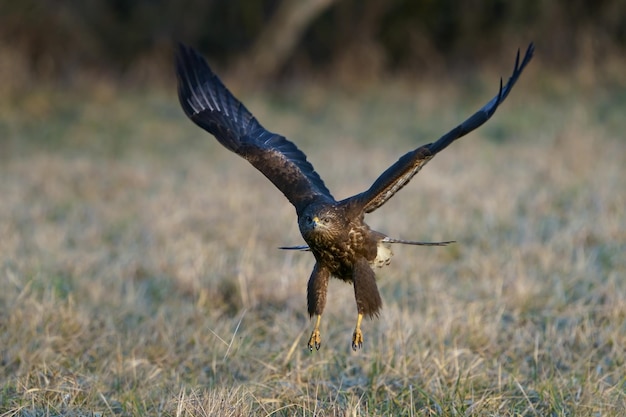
(335, 232)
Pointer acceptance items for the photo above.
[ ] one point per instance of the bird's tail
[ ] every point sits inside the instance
(412, 242)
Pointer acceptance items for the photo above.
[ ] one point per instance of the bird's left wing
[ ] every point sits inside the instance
(400, 173)
(209, 104)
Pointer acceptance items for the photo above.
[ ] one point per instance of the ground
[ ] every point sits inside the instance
(140, 273)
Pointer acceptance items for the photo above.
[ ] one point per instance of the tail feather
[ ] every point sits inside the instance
(412, 242)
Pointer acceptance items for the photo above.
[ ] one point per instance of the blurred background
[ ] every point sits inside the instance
(134, 247)
(264, 41)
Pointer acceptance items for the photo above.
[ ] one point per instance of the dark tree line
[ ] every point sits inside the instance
(278, 37)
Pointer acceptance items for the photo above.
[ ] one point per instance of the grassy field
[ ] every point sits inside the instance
(140, 273)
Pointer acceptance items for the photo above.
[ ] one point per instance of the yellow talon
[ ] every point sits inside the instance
(357, 336)
(315, 339)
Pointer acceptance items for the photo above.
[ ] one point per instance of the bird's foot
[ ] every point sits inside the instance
(357, 339)
(315, 340)
(357, 336)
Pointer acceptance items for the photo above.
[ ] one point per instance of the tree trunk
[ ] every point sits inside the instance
(280, 36)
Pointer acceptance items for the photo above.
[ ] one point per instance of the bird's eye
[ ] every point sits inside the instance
(326, 220)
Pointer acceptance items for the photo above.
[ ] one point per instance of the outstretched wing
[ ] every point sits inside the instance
(209, 104)
(400, 173)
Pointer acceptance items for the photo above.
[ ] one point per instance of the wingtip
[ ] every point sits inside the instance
(186, 53)
(302, 248)
(530, 52)
(417, 243)
(181, 57)
(180, 49)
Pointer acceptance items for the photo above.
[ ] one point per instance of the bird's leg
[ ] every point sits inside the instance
(368, 302)
(315, 339)
(357, 336)
(316, 301)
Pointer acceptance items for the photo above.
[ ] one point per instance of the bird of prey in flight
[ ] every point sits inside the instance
(342, 243)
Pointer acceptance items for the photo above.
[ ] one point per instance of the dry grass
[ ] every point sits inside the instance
(139, 274)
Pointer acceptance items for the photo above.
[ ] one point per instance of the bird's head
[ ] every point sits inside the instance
(318, 221)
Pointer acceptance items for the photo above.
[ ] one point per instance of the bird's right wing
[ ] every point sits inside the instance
(400, 173)
(209, 104)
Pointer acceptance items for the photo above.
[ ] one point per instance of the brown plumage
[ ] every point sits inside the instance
(335, 232)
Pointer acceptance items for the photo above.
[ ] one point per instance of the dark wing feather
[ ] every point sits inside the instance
(400, 173)
(209, 104)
